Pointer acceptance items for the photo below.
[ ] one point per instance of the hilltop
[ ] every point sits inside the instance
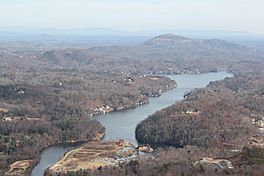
(166, 53)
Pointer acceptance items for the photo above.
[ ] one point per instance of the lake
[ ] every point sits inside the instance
(122, 124)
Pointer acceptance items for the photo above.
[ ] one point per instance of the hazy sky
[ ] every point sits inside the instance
(132, 15)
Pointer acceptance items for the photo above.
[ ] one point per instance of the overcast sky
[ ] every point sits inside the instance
(133, 15)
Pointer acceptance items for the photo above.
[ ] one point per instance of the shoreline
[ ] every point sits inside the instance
(102, 135)
(137, 104)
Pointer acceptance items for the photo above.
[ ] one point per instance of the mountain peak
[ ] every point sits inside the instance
(170, 36)
(166, 39)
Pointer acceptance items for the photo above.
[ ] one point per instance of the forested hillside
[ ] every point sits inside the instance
(220, 114)
(167, 53)
(39, 108)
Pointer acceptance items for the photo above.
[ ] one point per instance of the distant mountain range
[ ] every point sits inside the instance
(100, 36)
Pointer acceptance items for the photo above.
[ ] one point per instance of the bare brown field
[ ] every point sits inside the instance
(94, 155)
(19, 167)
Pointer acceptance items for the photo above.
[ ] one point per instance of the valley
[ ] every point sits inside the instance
(53, 96)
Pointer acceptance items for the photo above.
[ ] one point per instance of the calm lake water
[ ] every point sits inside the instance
(122, 124)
